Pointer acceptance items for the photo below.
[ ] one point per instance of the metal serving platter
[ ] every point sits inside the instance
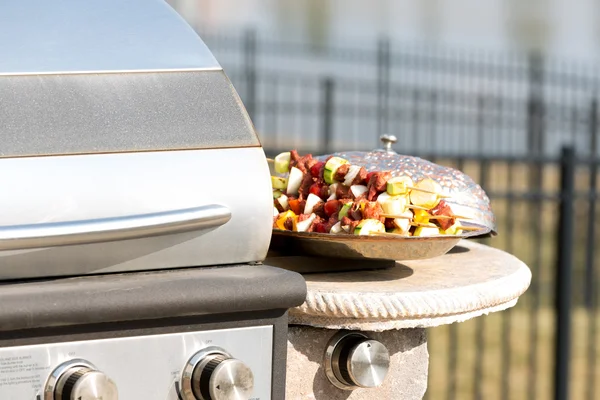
(398, 248)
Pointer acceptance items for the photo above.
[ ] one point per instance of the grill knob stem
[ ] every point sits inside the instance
(353, 361)
(83, 383)
(215, 375)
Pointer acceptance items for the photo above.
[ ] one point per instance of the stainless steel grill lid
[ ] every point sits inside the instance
(123, 144)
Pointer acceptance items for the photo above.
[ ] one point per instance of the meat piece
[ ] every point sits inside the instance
(303, 163)
(389, 223)
(371, 193)
(321, 227)
(289, 224)
(380, 179)
(317, 221)
(346, 221)
(278, 206)
(354, 213)
(294, 158)
(303, 217)
(377, 183)
(305, 185)
(443, 209)
(310, 162)
(319, 210)
(324, 192)
(372, 210)
(341, 172)
(333, 219)
(343, 192)
(353, 226)
(361, 177)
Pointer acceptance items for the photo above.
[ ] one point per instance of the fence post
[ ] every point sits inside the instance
(383, 86)
(564, 267)
(535, 104)
(591, 228)
(327, 111)
(250, 71)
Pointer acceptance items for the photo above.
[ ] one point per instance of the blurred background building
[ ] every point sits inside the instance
(500, 89)
(557, 27)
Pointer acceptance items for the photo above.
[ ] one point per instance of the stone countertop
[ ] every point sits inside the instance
(469, 281)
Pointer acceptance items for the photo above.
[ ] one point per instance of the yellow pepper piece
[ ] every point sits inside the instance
(281, 220)
(421, 216)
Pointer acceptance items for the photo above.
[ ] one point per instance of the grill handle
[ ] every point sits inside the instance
(54, 234)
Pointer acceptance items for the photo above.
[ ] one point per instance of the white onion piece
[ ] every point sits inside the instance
(304, 225)
(332, 190)
(311, 202)
(358, 190)
(283, 202)
(404, 223)
(393, 205)
(275, 212)
(294, 181)
(337, 228)
(351, 174)
(333, 187)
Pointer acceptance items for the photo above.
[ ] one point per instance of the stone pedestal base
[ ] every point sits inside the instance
(406, 379)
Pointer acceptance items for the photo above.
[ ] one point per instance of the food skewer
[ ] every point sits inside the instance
(441, 196)
(316, 191)
(428, 217)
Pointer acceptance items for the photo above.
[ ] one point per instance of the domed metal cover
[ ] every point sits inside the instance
(466, 198)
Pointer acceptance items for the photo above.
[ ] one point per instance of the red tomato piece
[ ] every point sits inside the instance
(321, 227)
(315, 169)
(315, 189)
(332, 207)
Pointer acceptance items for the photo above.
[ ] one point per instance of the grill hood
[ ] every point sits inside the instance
(124, 145)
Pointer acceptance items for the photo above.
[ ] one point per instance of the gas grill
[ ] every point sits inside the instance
(136, 211)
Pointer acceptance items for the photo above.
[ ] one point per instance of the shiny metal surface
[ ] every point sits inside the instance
(85, 384)
(352, 360)
(400, 248)
(388, 141)
(231, 380)
(50, 386)
(143, 367)
(40, 36)
(190, 377)
(467, 198)
(368, 364)
(121, 112)
(111, 229)
(77, 188)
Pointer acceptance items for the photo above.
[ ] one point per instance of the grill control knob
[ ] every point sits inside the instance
(353, 360)
(79, 380)
(213, 374)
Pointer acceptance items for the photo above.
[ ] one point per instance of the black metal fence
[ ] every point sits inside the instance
(501, 118)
